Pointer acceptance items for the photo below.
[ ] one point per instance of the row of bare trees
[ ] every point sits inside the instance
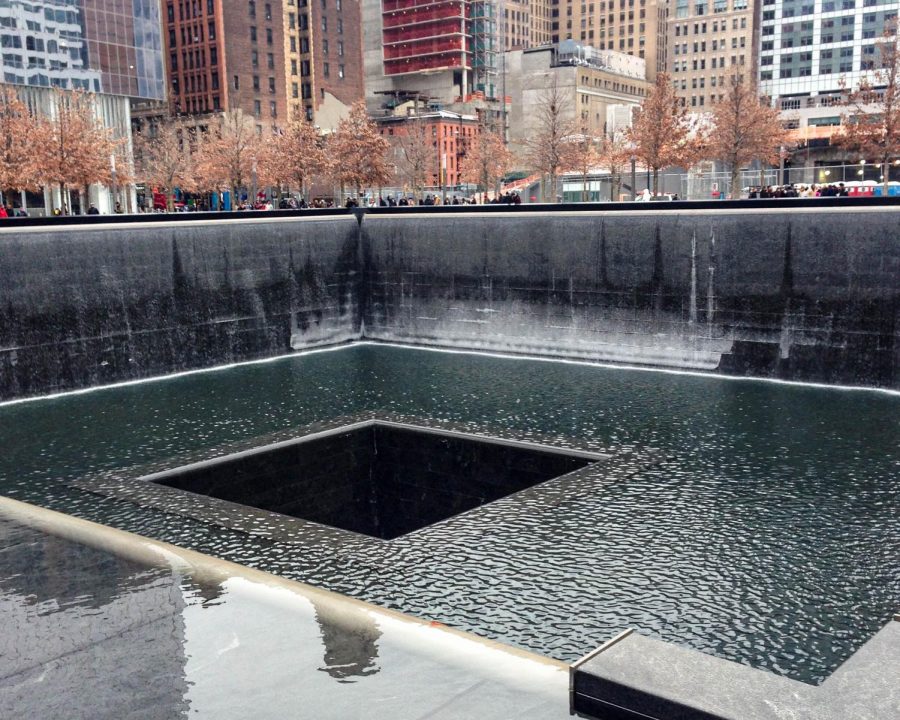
(740, 129)
(68, 147)
(232, 153)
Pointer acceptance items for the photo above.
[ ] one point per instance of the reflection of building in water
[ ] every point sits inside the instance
(351, 639)
(76, 617)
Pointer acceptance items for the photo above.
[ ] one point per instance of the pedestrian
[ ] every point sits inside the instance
(92, 210)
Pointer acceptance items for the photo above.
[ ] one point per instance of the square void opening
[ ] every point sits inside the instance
(378, 479)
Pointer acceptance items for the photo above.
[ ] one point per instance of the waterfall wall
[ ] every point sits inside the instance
(809, 294)
(90, 305)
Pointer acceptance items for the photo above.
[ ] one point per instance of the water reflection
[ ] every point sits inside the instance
(74, 617)
(351, 642)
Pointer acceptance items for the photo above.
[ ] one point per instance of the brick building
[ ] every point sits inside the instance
(447, 133)
(274, 59)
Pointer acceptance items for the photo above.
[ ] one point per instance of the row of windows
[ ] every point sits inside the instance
(714, 63)
(191, 59)
(681, 29)
(189, 10)
(715, 45)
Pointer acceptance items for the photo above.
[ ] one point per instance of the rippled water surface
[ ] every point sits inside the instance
(769, 537)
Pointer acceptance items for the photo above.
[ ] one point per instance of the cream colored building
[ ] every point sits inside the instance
(526, 23)
(599, 87)
(636, 27)
(708, 43)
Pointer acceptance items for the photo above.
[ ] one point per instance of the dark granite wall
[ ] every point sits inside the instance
(380, 480)
(83, 306)
(810, 295)
(804, 294)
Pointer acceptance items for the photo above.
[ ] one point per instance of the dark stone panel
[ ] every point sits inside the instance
(378, 480)
(804, 296)
(92, 305)
(600, 698)
(716, 291)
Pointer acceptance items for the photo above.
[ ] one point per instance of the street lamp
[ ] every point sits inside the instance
(633, 179)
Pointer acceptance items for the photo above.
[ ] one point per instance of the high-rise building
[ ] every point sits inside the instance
(635, 27)
(103, 47)
(810, 51)
(442, 51)
(274, 59)
(710, 41)
(526, 23)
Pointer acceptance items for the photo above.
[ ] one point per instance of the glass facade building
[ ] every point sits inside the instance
(107, 46)
(809, 49)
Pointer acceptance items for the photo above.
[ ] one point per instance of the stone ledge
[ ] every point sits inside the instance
(633, 677)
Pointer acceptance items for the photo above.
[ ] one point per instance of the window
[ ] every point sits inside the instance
(236, 83)
(253, 33)
(294, 67)
(212, 31)
(340, 26)
(257, 108)
(270, 60)
(170, 12)
(252, 8)
(213, 56)
(268, 11)
(304, 45)
(304, 68)
(324, 24)
(272, 85)
(324, 47)
(268, 36)
(173, 61)
(215, 81)
(254, 58)
(256, 82)
(340, 48)
(325, 69)
(273, 109)
(295, 90)
(340, 71)
(292, 21)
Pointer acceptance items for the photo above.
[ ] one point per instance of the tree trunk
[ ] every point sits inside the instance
(735, 182)
(655, 180)
(584, 188)
(886, 168)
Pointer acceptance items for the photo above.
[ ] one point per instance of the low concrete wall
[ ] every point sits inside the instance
(810, 294)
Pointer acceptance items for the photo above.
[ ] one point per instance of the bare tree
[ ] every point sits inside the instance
(19, 140)
(545, 148)
(661, 131)
(359, 152)
(745, 128)
(583, 156)
(295, 156)
(415, 155)
(163, 158)
(873, 125)
(615, 153)
(486, 160)
(227, 155)
(76, 148)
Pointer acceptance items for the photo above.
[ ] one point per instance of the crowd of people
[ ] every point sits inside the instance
(798, 191)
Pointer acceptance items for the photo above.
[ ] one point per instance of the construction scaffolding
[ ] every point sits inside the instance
(484, 41)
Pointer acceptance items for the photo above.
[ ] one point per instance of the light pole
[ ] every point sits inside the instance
(633, 178)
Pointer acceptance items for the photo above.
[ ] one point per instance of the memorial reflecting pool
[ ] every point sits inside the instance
(766, 533)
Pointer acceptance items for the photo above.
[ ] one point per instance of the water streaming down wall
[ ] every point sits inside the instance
(805, 295)
(82, 306)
